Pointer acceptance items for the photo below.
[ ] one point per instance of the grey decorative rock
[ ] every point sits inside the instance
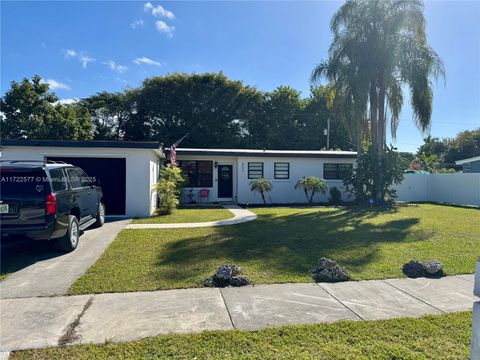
(414, 269)
(328, 270)
(226, 275)
(431, 268)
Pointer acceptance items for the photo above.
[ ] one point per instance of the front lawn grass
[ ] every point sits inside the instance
(189, 214)
(430, 337)
(283, 245)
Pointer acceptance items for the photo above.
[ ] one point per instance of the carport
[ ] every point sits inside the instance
(127, 170)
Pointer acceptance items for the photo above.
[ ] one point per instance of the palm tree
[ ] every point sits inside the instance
(428, 162)
(378, 48)
(261, 186)
(311, 184)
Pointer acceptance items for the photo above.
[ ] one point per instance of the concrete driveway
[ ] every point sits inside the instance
(51, 273)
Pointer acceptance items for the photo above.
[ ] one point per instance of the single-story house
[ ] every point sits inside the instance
(127, 170)
(470, 165)
(224, 175)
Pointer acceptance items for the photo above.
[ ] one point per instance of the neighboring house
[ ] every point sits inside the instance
(127, 170)
(470, 165)
(225, 174)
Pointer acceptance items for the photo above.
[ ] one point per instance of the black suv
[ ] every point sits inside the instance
(47, 201)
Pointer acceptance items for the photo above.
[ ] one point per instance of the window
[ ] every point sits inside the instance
(198, 173)
(74, 178)
(255, 170)
(85, 180)
(281, 170)
(58, 180)
(336, 171)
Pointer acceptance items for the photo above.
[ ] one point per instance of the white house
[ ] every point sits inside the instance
(127, 170)
(225, 174)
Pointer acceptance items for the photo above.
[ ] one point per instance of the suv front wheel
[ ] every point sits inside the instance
(69, 241)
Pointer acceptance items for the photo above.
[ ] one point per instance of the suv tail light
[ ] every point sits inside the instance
(51, 204)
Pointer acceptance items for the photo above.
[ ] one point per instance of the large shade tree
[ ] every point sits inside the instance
(379, 48)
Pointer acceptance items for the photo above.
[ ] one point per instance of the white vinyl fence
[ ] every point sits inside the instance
(460, 189)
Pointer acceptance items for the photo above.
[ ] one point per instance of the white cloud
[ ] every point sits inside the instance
(56, 85)
(158, 11)
(146, 61)
(136, 24)
(69, 53)
(85, 60)
(68, 101)
(115, 67)
(81, 56)
(163, 27)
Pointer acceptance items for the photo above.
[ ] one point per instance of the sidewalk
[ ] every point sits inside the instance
(240, 216)
(43, 322)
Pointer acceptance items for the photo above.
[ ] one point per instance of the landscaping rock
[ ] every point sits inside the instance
(434, 268)
(415, 269)
(329, 271)
(226, 275)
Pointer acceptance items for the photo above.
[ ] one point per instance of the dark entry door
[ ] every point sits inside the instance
(225, 181)
(112, 175)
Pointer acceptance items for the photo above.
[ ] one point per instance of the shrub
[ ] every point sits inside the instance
(261, 186)
(335, 196)
(362, 182)
(312, 185)
(169, 188)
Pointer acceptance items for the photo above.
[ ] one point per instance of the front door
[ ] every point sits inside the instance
(225, 181)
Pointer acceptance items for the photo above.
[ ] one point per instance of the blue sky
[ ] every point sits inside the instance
(85, 47)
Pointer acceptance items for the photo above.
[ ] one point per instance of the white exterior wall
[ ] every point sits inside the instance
(283, 191)
(213, 190)
(460, 189)
(138, 197)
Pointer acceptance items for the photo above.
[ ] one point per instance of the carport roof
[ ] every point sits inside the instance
(84, 143)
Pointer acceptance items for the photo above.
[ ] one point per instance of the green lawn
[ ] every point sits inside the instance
(430, 337)
(283, 244)
(189, 214)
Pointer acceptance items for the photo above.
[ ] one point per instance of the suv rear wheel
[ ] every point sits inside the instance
(69, 241)
(100, 215)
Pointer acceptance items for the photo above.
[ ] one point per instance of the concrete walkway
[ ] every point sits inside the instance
(44, 322)
(240, 216)
(53, 274)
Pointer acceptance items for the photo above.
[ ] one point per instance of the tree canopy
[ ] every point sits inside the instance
(30, 111)
(214, 110)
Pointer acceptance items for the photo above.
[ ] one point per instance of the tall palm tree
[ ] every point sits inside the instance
(261, 186)
(379, 46)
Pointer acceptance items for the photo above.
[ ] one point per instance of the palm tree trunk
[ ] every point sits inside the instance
(263, 197)
(373, 113)
(306, 194)
(380, 142)
(311, 197)
(374, 136)
(358, 135)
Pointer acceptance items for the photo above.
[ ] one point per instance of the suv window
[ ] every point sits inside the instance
(18, 181)
(84, 179)
(58, 180)
(74, 178)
